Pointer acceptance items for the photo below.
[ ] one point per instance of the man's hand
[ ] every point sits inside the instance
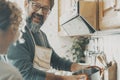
(76, 67)
(72, 77)
(77, 77)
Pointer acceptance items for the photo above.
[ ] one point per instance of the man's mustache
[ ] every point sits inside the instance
(40, 17)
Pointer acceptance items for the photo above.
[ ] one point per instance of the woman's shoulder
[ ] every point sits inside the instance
(8, 72)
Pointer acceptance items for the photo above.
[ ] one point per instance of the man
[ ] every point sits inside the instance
(10, 18)
(30, 58)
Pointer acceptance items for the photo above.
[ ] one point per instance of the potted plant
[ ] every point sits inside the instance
(78, 48)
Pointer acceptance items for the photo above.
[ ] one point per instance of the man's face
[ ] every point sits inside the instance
(38, 10)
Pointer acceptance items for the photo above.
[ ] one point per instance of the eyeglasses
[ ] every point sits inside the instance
(37, 6)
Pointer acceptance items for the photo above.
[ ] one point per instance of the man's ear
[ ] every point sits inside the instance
(26, 3)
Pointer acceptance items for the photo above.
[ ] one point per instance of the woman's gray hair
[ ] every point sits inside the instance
(10, 15)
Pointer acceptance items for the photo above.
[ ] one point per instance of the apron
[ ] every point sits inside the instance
(42, 57)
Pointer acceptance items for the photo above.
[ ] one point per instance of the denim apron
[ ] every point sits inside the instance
(42, 57)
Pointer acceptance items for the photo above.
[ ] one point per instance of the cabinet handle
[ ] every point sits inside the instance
(108, 9)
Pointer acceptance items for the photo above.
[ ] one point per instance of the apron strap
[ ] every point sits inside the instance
(32, 36)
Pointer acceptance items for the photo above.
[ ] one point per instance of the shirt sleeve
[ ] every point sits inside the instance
(22, 59)
(59, 63)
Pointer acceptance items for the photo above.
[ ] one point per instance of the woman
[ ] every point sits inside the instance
(10, 18)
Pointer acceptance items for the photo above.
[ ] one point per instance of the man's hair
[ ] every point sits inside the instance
(51, 3)
(10, 15)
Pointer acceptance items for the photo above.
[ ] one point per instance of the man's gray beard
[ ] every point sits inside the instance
(35, 27)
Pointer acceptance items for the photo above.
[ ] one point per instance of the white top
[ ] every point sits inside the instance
(8, 72)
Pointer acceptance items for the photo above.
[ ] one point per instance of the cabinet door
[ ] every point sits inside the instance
(88, 10)
(111, 17)
(92, 11)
